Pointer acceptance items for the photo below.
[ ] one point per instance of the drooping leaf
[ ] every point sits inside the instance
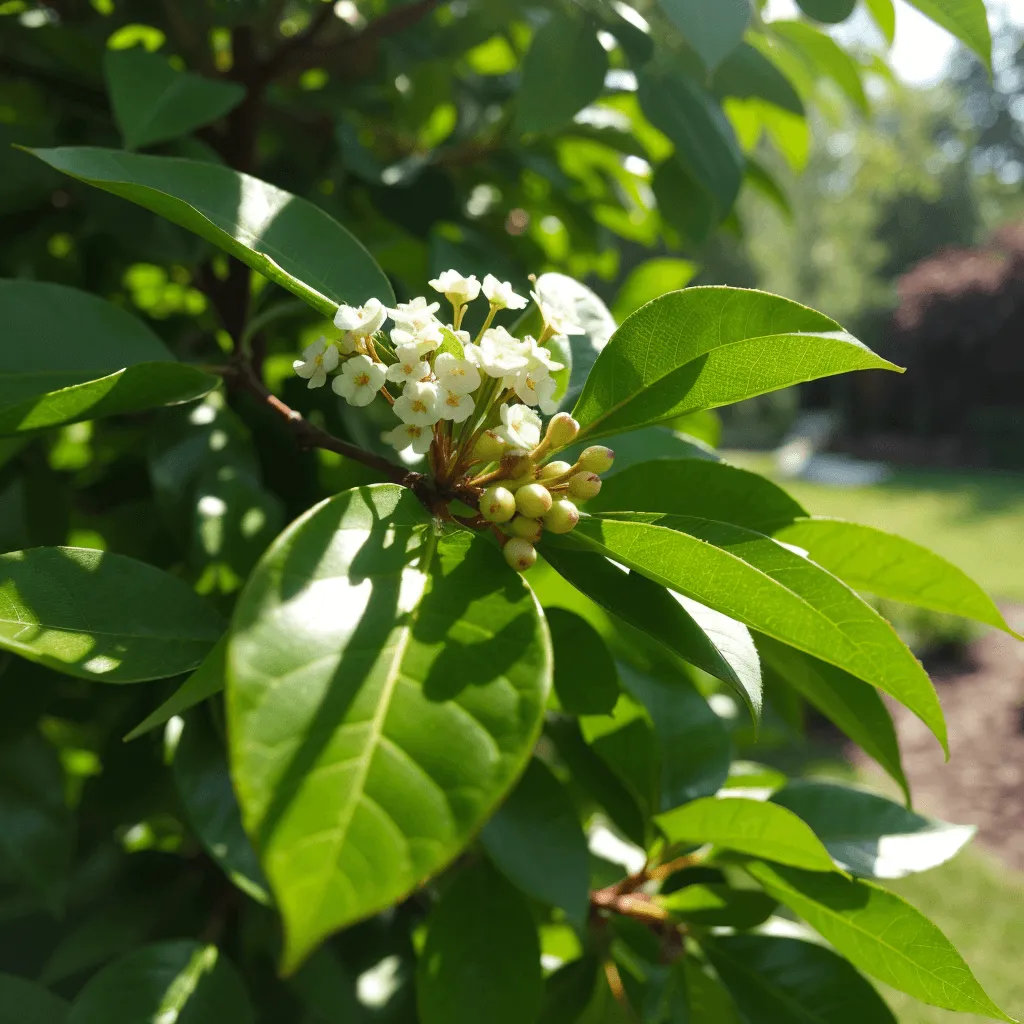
(709, 1001)
(535, 838)
(683, 202)
(747, 72)
(651, 280)
(712, 29)
(183, 981)
(965, 19)
(701, 348)
(568, 990)
(715, 906)
(889, 566)
(101, 616)
(417, 670)
(749, 826)
(881, 934)
(481, 957)
(154, 102)
(284, 237)
(27, 1002)
(825, 57)
(883, 14)
(829, 11)
(777, 979)
(870, 835)
(586, 682)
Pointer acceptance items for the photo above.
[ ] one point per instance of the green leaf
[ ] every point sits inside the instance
(101, 616)
(870, 835)
(182, 981)
(965, 19)
(284, 237)
(829, 11)
(27, 1002)
(154, 102)
(749, 826)
(36, 829)
(889, 566)
(567, 991)
(883, 14)
(705, 347)
(778, 979)
(766, 586)
(565, 50)
(450, 344)
(536, 840)
(651, 280)
(585, 678)
(713, 906)
(74, 357)
(683, 202)
(757, 176)
(481, 957)
(201, 776)
(709, 1002)
(713, 29)
(882, 935)
(626, 742)
(848, 702)
(699, 488)
(825, 57)
(417, 671)
(747, 72)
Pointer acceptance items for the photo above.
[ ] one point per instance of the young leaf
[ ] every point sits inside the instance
(182, 980)
(965, 19)
(385, 689)
(778, 979)
(154, 102)
(102, 616)
(869, 835)
(535, 838)
(749, 826)
(27, 1002)
(889, 566)
(825, 57)
(713, 906)
(882, 935)
(481, 958)
(284, 237)
(713, 29)
(883, 14)
(585, 678)
(705, 347)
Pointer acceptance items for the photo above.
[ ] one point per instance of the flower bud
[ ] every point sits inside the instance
(562, 516)
(516, 462)
(552, 469)
(561, 430)
(519, 553)
(497, 504)
(530, 529)
(584, 486)
(597, 459)
(489, 447)
(533, 500)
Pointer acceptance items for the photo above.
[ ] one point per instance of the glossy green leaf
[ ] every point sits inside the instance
(204, 785)
(683, 202)
(709, 1002)
(889, 566)
(417, 669)
(848, 702)
(481, 957)
(27, 1002)
(586, 682)
(965, 19)
(154, 102)
(829, 11)
(883, 14)
(747, 72)
(779, 979)
(284, 237)
(705, 347)
(713, 29)
(36, 828)
(825, 57)
(183, 981)
(568, 991)
(761, 583)
(535, 838)
(870, 835)
(713, 906)
(748, 826)
(562, 72)
(651, 280)
(881, 934)
(101, 616)
(625, 740)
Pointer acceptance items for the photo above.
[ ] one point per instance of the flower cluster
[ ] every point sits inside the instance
(471, 404)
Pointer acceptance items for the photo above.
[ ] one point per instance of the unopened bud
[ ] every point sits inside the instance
(519, 553)
(516, 462)
(562, 429)
(554, 469)
(584, 485)
(597, 459)
(530, 529)
(533, 500)
(497, 504)
(562, 516)
(489, 447)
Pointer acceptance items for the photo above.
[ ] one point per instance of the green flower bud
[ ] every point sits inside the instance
(552, 469)
(497, 504)
(516, 462)
(597, 459)
(530, 529)
(561, 430)
(489, 447)
(562, 516)
(519, 553)
(584, 485)
(533, 500)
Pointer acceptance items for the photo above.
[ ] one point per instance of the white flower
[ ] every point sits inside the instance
(520, 426)
(458, 375)
(360, 380)
(499, 354)
(426, 339)
(418, 404)
(500, 294)
(559, 317)
(363, 320)
(415, 314)
(317, 361)
(458, 290)
(408, 435)
(535, 387)
(538, 356)
(409, 367)
(454, 406)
